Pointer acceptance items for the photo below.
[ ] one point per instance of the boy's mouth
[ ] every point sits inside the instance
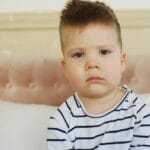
(94, 79)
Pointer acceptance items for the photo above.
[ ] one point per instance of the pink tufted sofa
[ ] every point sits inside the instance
(39, 79)
(32, 87)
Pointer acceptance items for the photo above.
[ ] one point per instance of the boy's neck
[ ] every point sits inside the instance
(103, 104)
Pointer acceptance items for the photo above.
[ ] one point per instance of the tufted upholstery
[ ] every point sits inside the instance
(137, 74)
(38, 79)
(28, 79)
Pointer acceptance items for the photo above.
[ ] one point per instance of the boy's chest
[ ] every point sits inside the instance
(104, 134)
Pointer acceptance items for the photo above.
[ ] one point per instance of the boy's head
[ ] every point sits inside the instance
(91, 44)
(79, 14)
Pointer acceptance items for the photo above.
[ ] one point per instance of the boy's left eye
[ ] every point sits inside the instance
(104, 52)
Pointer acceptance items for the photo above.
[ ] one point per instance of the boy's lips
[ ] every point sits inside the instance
(94, 79)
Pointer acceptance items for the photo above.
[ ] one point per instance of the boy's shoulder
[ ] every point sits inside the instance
(69, 103)
(135, 101)
(67, 106)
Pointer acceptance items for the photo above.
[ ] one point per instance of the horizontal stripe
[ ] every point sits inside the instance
(104, 133)
(57, 129)
(141, 136)
(145, 125)
(117, 142)
(56, 140)
(125, 109)
(51, 117)
(99, 125)
(141, 145)
(146, 116)
(138, 122)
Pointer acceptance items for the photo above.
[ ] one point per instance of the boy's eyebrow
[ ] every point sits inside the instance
(81, 48)
(108, 46)
(69, 51)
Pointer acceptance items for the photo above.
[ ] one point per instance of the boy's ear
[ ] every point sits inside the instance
(63, 67)
(123, 61)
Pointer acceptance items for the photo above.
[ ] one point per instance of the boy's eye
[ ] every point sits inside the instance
(78, 54)
(104, 52)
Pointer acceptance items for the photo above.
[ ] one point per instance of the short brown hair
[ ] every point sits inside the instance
(80, 13)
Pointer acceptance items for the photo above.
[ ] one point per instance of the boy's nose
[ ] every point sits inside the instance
(92, 65)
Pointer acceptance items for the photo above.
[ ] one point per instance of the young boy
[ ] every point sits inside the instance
(100, 114)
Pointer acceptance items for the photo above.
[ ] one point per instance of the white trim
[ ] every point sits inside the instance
(134, 18)
(30, 20)
(33, 20)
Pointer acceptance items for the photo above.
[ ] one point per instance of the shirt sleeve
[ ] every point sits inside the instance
(141, 135)
(57, 134)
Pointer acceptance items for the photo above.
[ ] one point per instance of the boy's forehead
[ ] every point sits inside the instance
(77, 29)
(70, 33)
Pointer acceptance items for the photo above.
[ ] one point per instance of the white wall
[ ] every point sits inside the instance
(44, 5)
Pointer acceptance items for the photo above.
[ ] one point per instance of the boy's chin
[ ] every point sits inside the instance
(94, 94)
(98, 92)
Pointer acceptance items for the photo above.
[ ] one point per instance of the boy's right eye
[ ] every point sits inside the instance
(78, 55)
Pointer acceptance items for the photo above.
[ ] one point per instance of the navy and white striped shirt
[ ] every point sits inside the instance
(125, 127)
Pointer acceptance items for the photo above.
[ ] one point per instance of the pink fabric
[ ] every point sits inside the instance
(32, 80)
(137, 74)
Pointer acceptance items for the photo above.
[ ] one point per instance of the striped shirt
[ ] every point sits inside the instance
(125, 127)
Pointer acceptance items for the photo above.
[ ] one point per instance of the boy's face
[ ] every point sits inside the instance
(93, 61)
